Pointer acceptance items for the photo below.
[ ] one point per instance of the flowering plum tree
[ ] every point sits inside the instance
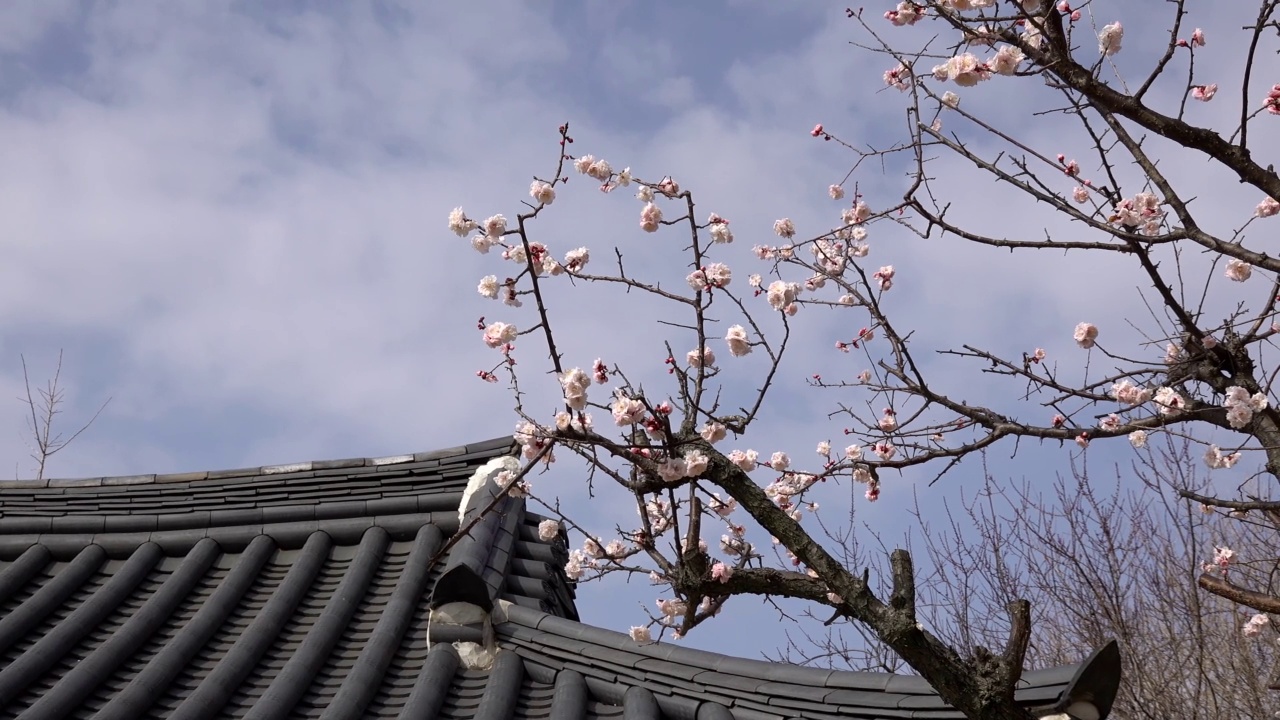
(1196, 368)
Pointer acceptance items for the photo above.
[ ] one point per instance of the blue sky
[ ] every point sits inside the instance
(233, 220)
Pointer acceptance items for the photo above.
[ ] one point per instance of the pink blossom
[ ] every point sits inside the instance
(673, 469)
(719, 228)
(1204, 93)
(1083, 439)
(836, 192)
(1197, 38)
(907, 13)
(650, 217)
(1268, 207)
(672, 608)
(1110, 38)
(640, 634)
(1255, 624)
(695, 463)
(817, 130)
(542, 192)
(627, 411)
(885, 451)
(1006, 60)
(713, 432)
(739, 344)
(703, 358)
(1238, 270)
(499, 334)
(575, 260)
(721, 572)
(746, 461)
(898, 77)
(495, 226)
(1169, 401)
(1130, 394)
(488, 286)
(853, 452)
(1138, 438)
(548, 530)
(1215, 459)
(1086, 335)
(779, 461)
(575, 383)
(885, 276)
(951, 100)
(781, 294)
(784, 228)
(965, 70)
(1222, 556)
(1080, 194)
(459, 223)
(1110, 423)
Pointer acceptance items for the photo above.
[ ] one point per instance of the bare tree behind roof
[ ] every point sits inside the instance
(1193, 365)
(1099, 557)
(44, 407)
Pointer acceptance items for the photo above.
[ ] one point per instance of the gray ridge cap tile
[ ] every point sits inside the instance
(76, 482)
(506, 442)
(665, 668)
(281, 477)
(438, 501)
(1039, 694)
(246, 516)
(346, 473)
(863, 698)
(711, 678)
(339, 464)
(129, 480)
(790, 690)
(924, 702)
(909, 685)
(340, 509)
(448, 453)
(390, 460)
(183, 520)
(286, 468)
(25, 525)
(858, 680)
(23, 484)
(1061, 675)
(288, 513)
(182, 477)
(78, 524)
(392, 506)
(233, 473)
(620, 658)
(769, 672)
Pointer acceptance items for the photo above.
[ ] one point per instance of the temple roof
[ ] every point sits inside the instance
(344, 589)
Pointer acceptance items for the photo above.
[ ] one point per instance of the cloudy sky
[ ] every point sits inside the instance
(232, 220)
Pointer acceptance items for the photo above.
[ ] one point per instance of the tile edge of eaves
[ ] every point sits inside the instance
(493, 445)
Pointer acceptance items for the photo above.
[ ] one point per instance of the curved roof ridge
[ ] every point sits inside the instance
(556, 641)
(459, 452)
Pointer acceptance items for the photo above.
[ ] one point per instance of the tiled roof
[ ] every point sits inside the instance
(308, 591)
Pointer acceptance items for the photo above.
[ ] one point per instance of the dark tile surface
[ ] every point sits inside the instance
(305, 591)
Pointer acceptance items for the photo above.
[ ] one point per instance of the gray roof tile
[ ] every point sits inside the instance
(303, 590)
